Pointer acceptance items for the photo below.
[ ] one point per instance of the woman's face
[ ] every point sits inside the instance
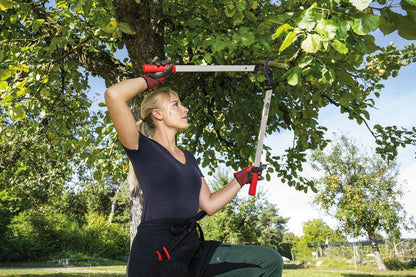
(175, 115)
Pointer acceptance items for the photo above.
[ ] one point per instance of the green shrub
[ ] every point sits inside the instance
(43, 234)
(35, 234)
(336, 262)
(101, 239)
(398, 264)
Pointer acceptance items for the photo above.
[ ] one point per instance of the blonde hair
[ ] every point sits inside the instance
(154, 100)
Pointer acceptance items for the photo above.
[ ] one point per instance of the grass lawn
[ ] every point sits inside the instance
(313, 272)
(113, 271)
(93, 271)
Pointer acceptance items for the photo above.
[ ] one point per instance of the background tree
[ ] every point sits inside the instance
(245, 220)
(287, 245)
(361, 192)
(323, 54)
(316, 233)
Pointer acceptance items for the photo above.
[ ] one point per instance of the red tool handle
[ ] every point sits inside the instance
(253, 184)
(149, 68)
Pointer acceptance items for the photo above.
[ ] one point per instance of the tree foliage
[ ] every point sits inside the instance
(316, 233)
(323, 54)
(360, 190)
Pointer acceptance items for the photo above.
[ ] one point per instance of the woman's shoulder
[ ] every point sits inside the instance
(142, 142)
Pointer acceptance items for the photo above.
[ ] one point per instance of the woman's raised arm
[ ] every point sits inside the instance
(116, 97)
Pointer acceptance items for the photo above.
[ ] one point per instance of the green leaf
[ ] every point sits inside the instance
(208, 58)
(312, 43)
(328, 76)
(3, 85)
(309, 19)
(409, 8)
(97, 175)
(137, 1)
(360, 4)
(387, 21)
(342, 30)
(238, 18)
(125, 28)
(406, 27)
(77, 6)
(219, 45)
(230, 10)
(305, 61)
(290, 38)
(343, 76)
(193, 22)
(411, 2)
(339, 46)
(17, 113)
(294, 76)
(282, 28)
(326, 28)
(345, 99)
(5, 74)
(250, 16)
(365, 24)
(246, 36)
(7, 4)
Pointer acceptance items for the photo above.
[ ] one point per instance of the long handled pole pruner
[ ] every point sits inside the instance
(151, 68)
(263, 125)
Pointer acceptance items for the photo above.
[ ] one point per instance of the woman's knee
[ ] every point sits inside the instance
(273, 258)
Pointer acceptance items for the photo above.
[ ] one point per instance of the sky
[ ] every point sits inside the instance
(396, 106)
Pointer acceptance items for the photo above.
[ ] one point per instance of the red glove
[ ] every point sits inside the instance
(153, 79)
(245, 175)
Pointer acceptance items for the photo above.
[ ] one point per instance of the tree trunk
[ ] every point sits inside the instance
(113, 204)
(146, 20)
(374, 245)
(357, 256)
(136, 202)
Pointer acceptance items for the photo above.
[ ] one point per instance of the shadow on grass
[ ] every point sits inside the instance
(374, 275)
(293, 266)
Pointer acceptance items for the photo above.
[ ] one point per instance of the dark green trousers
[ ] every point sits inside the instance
(245, 261)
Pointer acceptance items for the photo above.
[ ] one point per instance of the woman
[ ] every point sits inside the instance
(174, 189)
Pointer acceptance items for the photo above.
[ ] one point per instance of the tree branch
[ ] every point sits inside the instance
(332, 101)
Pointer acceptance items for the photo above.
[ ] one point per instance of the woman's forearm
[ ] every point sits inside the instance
(213, 202)
(128, 89)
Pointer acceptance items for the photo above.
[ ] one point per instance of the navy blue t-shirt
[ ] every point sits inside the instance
(170, 188)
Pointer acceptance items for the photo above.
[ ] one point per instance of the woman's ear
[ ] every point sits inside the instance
(157, 114)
